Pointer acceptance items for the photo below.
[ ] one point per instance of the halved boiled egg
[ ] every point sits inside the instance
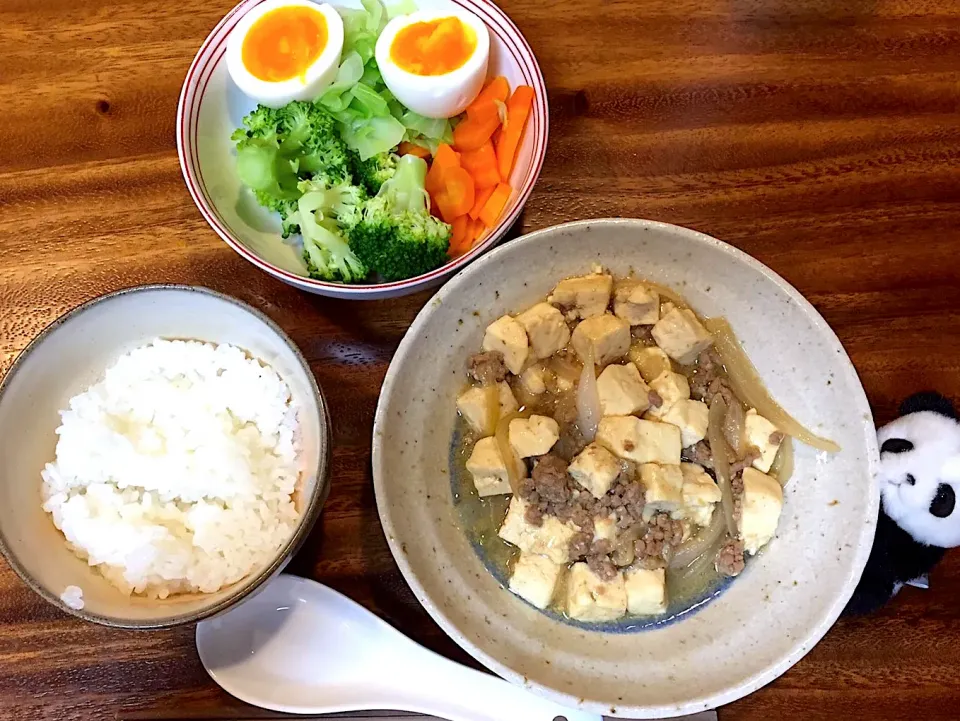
(285, 50)
(434, 61)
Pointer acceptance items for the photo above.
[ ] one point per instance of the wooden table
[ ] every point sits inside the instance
(820, 136)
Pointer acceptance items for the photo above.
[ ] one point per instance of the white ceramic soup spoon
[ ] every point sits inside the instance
(300, 647)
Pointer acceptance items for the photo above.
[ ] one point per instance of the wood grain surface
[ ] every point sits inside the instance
(821, 136)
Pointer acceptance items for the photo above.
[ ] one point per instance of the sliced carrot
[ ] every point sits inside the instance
(406, 148)
(445, 158)
(457, 195)
(482, 165)
(474, 132)
(460, 235)
(495, 205)
(518, 110)
(477, 230)
(483, 195)
(497, 90)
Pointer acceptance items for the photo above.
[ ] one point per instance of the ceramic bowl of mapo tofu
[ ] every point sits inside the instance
(627, 465)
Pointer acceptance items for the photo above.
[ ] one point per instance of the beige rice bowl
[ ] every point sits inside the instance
(176, 473)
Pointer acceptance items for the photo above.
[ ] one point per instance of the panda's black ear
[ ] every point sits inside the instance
(928, 401)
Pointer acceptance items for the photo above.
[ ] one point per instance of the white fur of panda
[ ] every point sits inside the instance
(920, 476)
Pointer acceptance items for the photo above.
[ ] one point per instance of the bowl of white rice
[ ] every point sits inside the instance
(165, 452)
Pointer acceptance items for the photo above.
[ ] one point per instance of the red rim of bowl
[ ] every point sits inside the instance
(194, 89)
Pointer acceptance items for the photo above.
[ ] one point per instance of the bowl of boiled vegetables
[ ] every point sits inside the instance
(362, 150)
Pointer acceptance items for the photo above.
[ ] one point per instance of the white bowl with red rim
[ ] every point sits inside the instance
(211, 107)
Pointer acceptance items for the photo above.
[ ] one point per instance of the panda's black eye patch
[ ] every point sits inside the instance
(911, 481)
(943, 503)
(896, 445)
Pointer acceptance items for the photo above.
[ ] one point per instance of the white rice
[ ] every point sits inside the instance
(73, 597)
(175, 473)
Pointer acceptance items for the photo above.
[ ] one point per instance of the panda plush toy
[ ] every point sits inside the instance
(919, 483)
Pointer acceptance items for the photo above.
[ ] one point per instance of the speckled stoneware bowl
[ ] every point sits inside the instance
(767, 618)
(71, 355)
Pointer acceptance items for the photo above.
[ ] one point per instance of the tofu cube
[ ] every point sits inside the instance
(764, 436)
(700, 494)
(635, 303)
(488, 469)
(534, 380)
(681, 335)
(651, 361)
(691, 417)
(605, 336)
(550, 539)
(546, 329)
(482, 407)
(605, 529)
(584, 297)
(533, 436)
(622, 391)
(593, 600)
(640, 441)
(760, 509)
(646, 591)
(671, 387)
(535, 579)
(595, 468)
(663, 486)
(508, 336)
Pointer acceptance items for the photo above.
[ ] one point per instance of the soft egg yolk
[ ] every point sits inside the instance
(284, 43)
(433, 47)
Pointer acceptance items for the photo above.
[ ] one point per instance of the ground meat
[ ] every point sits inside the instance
(720, 387)
(487, 368)
(596, 553)
(736, 487)
(553, 492)
(571, 440)
(730, 558)
(655, 548)
(706, 370)
(601, 565)
(625, 501)
(580, 545)
(698, 453)
(776, 438)
(549, 478)
(547, 488)
(737, 466)
(533, 515)
(655, 400)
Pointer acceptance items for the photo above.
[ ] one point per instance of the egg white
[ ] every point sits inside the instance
(435, 96)
(311, 84)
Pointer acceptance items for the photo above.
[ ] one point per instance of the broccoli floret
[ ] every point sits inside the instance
(397, 237)
(323, 215)
(278, 147)
(373, 172)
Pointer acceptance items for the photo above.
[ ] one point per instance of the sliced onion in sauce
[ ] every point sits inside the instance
(588, 399)
(699, 566)
(515, 468)
(750, 389)
(721, 460)
(695, 546)
(624, 553)
(782, 467)
(733, 425)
